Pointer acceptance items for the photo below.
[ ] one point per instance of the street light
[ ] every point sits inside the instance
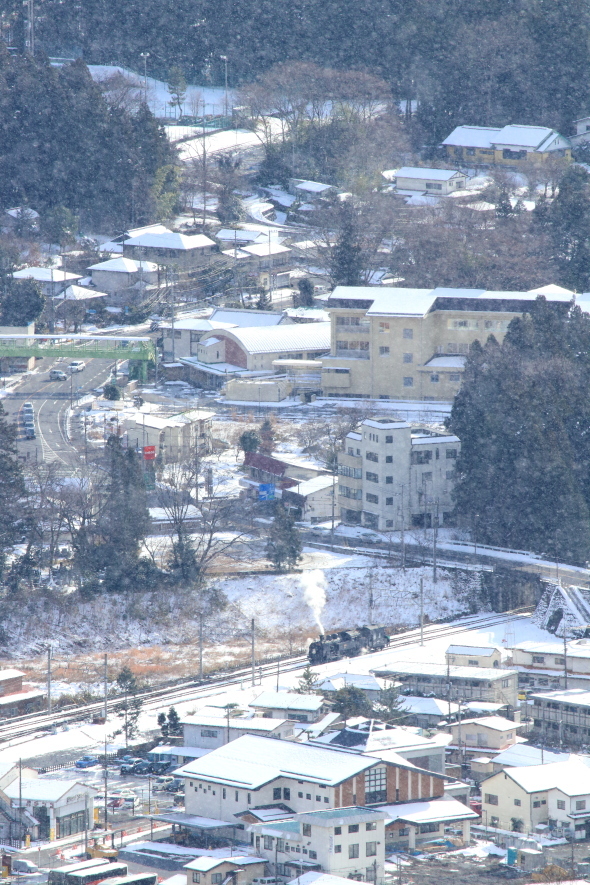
(224, 59)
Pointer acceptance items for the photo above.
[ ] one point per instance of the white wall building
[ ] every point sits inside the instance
(392, 476)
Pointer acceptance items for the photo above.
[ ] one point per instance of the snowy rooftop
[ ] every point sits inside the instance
(246, 318)
(365, 681)
(433, 669)
(433, 440)
(428, 706)
(315, 484)
(313, 187)
(124, 265)
(579, 696)
(393, 301)
(263, 250)
(204, 863)
(434, 174)
(571, 776)
(198, 325)
(484, 651)
(316, 878)
(283, 338)
(525, 754)
(252, 761)
(38, 789)
(495, 723)
(287, 700)
(429, 812)
(79, 293)
(580, 649)
(532, 137)
(45, 275)
(170, 240)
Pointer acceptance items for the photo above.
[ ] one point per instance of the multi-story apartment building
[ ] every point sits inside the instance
(391, 343)
(392, 476)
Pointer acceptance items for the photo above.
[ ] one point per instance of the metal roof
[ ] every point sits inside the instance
(434, 174)
(281, 339)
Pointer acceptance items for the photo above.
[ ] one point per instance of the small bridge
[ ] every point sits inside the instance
(102, 347)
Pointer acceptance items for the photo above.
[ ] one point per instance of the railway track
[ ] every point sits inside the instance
(189, 690)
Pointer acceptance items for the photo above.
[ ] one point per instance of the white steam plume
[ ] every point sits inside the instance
(314, 593)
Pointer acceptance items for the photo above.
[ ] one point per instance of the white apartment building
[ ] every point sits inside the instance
(392, 476)
(346, 842)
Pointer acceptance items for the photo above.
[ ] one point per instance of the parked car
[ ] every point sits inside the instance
(57, 375)
(161, 783)
(77, 366)
(87, 762)
(175, 784)
(129, 767)
(30, 432)
(23, 866)
(142, 767)
(28, 407)
(159, 767)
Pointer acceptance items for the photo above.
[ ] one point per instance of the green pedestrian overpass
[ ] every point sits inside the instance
(102, 347)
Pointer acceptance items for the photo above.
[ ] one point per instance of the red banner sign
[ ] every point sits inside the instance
(149, 453)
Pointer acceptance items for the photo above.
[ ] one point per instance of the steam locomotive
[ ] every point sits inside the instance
(347, 644)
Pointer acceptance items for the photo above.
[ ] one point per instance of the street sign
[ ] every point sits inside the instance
(149, 453)
(266, 491)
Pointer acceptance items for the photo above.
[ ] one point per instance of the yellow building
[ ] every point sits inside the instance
(508, 145)
(411, 344)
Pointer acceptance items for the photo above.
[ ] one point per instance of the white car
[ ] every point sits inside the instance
(77, 366)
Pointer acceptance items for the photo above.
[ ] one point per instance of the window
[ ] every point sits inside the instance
(389, 480)
(208, 733)
(372, 825)
(348, 321)
(353, 828)
(389, 502)
(308, 795)
(313, 855)
(249, 797)
(427, 477)
(268, 842)
(337, 831)
(371, 477)
(454, 377)
(372, 456)
(538, 659)
(408, 382)
(388, 439)
(326, 800)
(353, 850)
(408, 333)
(451, 454)
(536, 804)
(337, 849)
(389, 459)
(318, 798)
(306, 829)
(434, 379)
(237, 795)
(223, 793)
(449, 474)
(372, 499)
(491, 799)
(374, 437)
(560, 660)
(196, 877)
(580, 804)
(280, 844)
(429, 828)
(389, 523)
(408, 358)
(300, 795)
(347, 492)
(421, 457)
(384, 351)
(434, 185)
(517, 802)
(561, 804)
(384, 327)
(371, 849)
(216, 878)
(276, 793)
(376, 784)
(353, 472)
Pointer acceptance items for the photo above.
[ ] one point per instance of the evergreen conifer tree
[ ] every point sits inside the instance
(283, 546)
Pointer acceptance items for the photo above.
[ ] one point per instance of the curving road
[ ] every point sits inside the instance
(51, 401)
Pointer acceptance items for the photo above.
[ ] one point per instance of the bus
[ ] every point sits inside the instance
(135, 879)
(58, 875)
(109, 870)
(86, 872)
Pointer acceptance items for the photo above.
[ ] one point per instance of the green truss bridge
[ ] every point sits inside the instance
(102, 347)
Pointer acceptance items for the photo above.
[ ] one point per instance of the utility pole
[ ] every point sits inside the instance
(106, 686)
(49, 679)
(269, 271)
(200, 646)
(371, 602)
(145, 56)
(434, 539)
(333, 508)
(31, 26)
(204, 172)
(106, 782)
(278, 672)
(421, 611)
(172, 315)
(224, 59)
(253, 655)
(403, 539)
(565, 656)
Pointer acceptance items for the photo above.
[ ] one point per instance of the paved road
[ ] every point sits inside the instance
(51, 400)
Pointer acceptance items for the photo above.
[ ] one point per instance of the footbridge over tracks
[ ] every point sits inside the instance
(102, 347)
